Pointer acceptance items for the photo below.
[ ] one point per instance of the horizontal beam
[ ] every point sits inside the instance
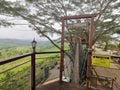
(103, 77)
(14, 58)
(50, 52)
(23, 56)
(80, 16)
(115, 56)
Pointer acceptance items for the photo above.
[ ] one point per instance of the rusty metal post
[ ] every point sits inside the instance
(62, 50)
(90, 43)
(91, 33)
(33, 71)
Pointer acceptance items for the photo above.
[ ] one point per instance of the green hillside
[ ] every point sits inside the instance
(8, 43)
(16, 75)
(5, 43)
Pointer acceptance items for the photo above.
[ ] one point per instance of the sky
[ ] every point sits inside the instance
(22, 32)
(18, 32)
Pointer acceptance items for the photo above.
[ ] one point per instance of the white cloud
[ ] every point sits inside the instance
(18, 32)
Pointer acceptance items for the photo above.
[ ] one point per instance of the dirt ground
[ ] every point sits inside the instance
(110, 76)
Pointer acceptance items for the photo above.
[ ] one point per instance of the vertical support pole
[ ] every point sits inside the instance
(91, 33)
(62, 50)
(33, 71)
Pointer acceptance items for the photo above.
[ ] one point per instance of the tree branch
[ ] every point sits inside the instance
(52, 41)
(104, 32)
(104, 9)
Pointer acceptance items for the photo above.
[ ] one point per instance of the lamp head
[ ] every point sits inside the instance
(34, 43)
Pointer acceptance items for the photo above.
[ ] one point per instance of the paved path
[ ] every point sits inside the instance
(75, 74)
(53, 76)
(53, 73)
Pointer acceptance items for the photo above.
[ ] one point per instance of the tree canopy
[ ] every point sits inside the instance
(44, 16)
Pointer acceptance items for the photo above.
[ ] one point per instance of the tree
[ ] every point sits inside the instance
(6, 12)
(106, 39)
(118, 32)
(44, 16)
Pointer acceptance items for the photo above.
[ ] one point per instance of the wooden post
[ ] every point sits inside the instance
(91, 33)
(33, 71)
(62, 50)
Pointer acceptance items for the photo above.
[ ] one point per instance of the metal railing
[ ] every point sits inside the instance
(32, 73)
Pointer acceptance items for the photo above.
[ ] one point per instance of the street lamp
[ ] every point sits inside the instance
(33, 65)
(34, 44)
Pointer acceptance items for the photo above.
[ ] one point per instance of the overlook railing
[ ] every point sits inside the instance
(30, 77)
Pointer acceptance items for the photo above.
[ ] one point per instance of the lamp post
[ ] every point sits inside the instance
(34, 45)
(33, 65)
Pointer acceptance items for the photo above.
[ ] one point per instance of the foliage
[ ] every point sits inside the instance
(13, 43)
(43, 16)
(118, 46)
(6, 11)
(19, 77)
(7, 43)
(10, 52)
(118, 31)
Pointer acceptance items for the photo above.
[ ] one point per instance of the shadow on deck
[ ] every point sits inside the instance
(55, 85)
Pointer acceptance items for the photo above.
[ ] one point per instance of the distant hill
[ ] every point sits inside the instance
(5, 43)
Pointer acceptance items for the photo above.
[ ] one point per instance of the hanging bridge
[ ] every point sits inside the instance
(71, 73)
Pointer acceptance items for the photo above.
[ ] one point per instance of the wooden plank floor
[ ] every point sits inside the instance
(55, 85)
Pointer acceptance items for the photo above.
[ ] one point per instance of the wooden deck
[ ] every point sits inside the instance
(55, 85)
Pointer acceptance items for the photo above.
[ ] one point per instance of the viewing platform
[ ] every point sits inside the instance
(56, 85)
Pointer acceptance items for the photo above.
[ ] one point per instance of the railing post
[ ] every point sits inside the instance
(33, 71)
(62, 51)
(91, 34)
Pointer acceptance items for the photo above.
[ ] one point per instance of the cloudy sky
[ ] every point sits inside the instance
(18, 32)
